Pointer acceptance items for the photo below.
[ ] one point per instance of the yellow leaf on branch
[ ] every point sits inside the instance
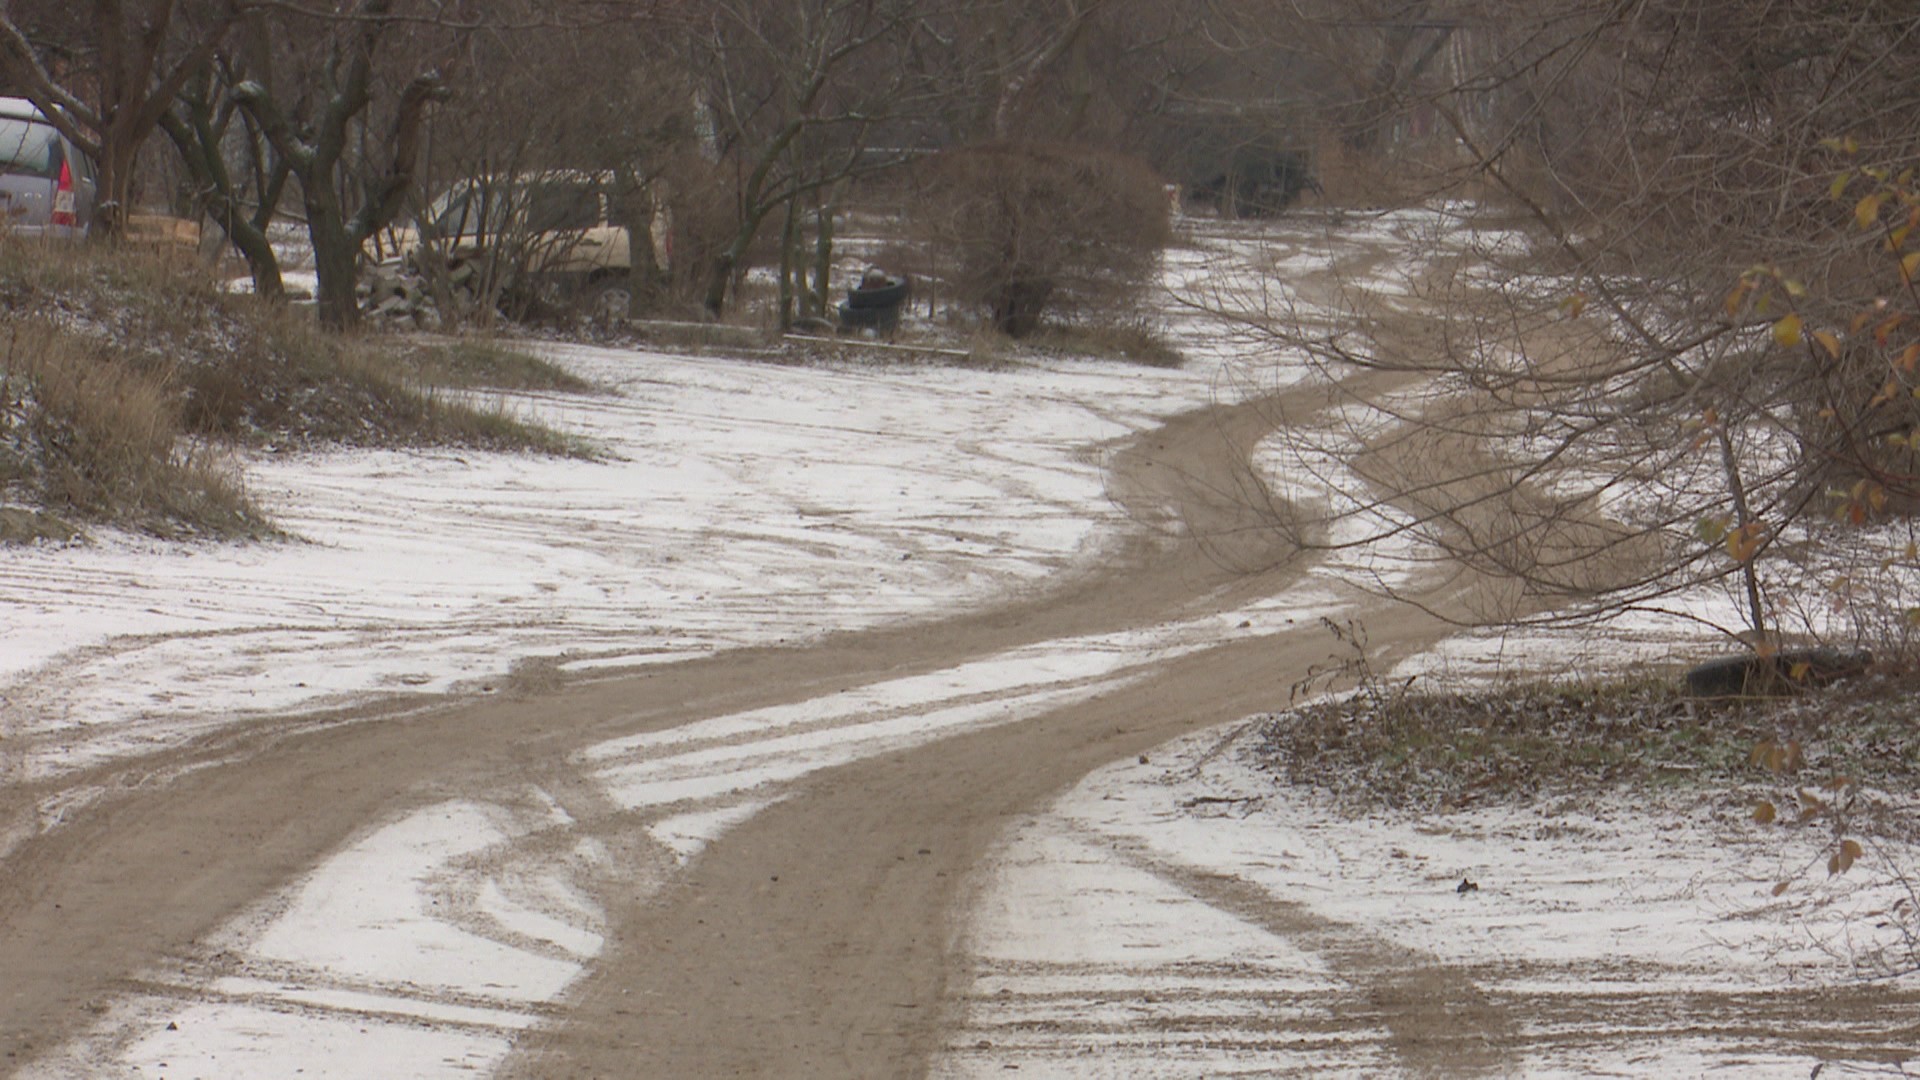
(1744, 542)
(1787, 331)
(1738, 296)
(1867, 210)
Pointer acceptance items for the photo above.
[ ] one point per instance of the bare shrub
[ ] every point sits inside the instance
(1024, 229)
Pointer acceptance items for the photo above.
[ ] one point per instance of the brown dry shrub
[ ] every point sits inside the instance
(122, 372)
(1025, 229)
(86, 435)
(248, 371)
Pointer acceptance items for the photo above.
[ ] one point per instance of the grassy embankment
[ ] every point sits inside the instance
(127, 381)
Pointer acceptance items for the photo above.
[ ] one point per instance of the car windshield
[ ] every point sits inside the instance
(538, 207)
(459, 212)
(555, 207)
(28, 146)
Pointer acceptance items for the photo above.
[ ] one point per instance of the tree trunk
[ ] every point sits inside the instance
(199, 144)
(336, 261)
(823, 263)
(789, 241)
(116, 190)
(718, 278)
(262, 263)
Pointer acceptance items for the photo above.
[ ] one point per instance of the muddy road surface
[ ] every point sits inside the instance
(814, 937)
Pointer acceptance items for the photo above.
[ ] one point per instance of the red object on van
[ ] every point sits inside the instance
(63, 198)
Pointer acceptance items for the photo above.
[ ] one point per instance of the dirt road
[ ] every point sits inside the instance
(814, 940)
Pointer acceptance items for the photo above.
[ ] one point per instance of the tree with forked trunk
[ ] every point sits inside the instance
(348, 189)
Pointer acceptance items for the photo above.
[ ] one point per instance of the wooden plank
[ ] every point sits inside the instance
(927, 350)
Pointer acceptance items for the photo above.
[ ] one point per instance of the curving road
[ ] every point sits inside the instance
(814, 939)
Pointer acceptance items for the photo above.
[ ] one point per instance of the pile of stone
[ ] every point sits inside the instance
(394, 292)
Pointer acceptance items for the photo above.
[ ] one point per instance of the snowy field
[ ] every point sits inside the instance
(740, 504)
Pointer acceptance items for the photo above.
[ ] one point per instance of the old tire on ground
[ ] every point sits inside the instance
(890, 295)
(859, 318)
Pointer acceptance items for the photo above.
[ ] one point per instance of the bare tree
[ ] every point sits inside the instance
(793, 93)
(620, 140)
(1682, 318)
(311, 122)
(242, 197)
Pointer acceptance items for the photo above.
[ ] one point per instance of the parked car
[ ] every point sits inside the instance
(558, 234)
(47, 185)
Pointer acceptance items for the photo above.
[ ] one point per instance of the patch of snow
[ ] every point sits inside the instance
(388, 910)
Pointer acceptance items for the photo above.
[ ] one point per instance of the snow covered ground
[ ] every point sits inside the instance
(740, 504)
(1186, 918)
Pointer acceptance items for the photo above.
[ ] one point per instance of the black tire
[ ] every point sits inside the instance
(879, 318)
(886, 296)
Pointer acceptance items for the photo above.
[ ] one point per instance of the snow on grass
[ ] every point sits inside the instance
(1117, 934)
(1236, 891)
(735, 504)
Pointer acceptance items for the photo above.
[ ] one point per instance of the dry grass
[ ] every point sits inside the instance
(87, 437)
(1134, 340)
(1436, 751)
(125, 372)
(479, 364)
